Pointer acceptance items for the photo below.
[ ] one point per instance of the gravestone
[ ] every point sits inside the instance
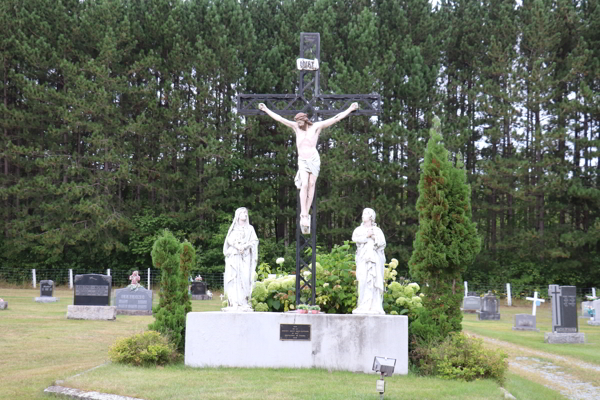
(472, 294)
(525, 322)
(92, 290)
(92, 298)
(198, 288)
(199, 291)
(133, 302)
(595, 321)
(489, 308)
(564, 316)
(585, 312)
(3, 304)
(471, 304)
(46, 292)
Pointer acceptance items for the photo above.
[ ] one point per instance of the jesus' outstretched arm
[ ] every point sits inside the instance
(277, 117)
(337, 118)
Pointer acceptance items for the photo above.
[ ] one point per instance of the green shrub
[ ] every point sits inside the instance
(336, 287)
(428, 328)
(144, 349)
(174, 301)
(462, 357)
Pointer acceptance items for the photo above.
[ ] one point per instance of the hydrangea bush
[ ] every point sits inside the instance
(336, 287)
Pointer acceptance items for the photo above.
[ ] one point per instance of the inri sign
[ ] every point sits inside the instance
(304, 64)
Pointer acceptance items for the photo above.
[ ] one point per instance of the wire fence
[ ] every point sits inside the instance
(150, 277)
(515, 291)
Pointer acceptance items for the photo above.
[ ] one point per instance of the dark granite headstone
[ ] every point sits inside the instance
(489, 307)
(198, 288)
(92, 290)
(564, 309)
(46, 288)
(133, 302)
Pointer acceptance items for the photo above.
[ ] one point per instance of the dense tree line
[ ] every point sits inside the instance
(118, 119)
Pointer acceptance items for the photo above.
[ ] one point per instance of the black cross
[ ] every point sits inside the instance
(309, 100)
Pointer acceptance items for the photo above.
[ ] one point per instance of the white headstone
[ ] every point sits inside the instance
(508, 295)
(466, 289)
(33, 278)
(70, 279)
(149, 279)
(535, 300)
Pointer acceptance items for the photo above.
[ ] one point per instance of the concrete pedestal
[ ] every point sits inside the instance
(201, 297)
(337, 342)
(46, 299)
(564, 338)
(594, 322)
(94, 313)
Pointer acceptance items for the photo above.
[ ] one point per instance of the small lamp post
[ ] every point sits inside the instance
(385, 366)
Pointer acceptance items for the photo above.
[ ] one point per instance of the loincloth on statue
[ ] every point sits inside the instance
(312, 166)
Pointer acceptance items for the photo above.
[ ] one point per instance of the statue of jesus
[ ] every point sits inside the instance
(309, 162)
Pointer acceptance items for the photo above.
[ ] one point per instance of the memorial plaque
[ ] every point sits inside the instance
(46, 288)
(198, 288)
(92, 290)
(133, 302)
(294, 332)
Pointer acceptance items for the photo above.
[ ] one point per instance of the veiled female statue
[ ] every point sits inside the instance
(370, 264)
(241, 255)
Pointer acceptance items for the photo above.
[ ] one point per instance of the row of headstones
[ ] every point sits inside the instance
(564, 313)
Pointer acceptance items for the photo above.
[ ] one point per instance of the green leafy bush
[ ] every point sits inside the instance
(144, 349)
(462, 357)
(336, 287)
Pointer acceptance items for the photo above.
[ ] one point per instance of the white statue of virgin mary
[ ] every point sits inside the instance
(241, 256)
(370, 264)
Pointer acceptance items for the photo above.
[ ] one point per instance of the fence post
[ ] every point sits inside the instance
(466, 288)
(70, 279)
(149, 279)
(508, 295)
(33, 278)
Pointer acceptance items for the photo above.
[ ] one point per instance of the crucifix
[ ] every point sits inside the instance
(535, 300)
(308, 100)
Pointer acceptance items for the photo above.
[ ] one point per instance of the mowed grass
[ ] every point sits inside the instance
(40, 346)
(502, 330)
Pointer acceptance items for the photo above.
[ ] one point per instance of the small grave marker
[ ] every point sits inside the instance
(46, 292)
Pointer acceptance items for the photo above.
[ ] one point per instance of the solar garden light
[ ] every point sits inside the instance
(385, 366)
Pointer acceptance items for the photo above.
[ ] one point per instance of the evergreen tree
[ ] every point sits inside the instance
(188, 261)
(446, 242)
(172, 307)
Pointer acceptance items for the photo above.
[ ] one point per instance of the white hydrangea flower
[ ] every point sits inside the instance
(280, 261)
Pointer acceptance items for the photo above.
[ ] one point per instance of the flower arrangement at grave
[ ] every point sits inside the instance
(336, 287)
(198, 279)
(590, 310)
(135, 281)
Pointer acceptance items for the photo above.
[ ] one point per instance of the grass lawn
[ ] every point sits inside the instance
(40, 346)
